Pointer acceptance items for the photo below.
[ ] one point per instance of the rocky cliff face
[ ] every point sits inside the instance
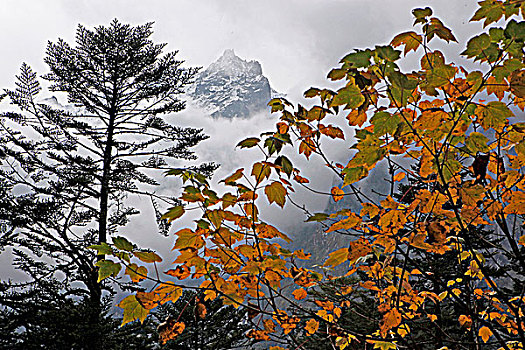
(231, 87)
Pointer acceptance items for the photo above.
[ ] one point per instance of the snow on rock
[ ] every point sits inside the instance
(232, 87)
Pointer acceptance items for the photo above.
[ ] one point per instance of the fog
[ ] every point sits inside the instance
(297, 43)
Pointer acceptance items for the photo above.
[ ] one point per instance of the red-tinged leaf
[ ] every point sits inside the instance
(170, 329)
(135, 272)
(332, 131)
(249, 142)
(174, 213)
(485, 333)
(107, 268)
(132, 310)
(200, 311)
(275, 192)
(306, 147)
(230, 180)
(411, 40)
(300, 179)
(299, 294)
(282, 127)
(148, 300)
(356, 118)
(181, 272)
(337, 194)
(148, 257)
(390, 320)
(337, 258)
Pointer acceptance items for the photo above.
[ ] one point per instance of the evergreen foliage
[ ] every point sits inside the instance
(65, 175)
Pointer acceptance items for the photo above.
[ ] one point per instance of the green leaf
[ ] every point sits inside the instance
(102, 249)
(384, 123)
(317, 217)
(388, 53)
(494, 115)
(173, 213)
(490, 11)
(148, 257)
(353, 175)
(515, 30)
(476, 45)
(285, 164)
(135, 272)
(477, 142)
(350, 96)
(359, 59)
(122, 243)
(337, 74)
(276, 192)
(248, 143)
(312, 92)
(107, 268)
(133, 310)
(420, 14)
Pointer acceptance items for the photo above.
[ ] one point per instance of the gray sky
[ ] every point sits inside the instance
(297, 42)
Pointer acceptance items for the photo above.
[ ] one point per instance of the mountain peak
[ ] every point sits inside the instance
(232, 87)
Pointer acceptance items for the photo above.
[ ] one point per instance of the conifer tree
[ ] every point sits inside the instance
(65, 174)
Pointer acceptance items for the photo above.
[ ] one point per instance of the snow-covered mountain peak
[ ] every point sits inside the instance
(232, 87)
(230, 64)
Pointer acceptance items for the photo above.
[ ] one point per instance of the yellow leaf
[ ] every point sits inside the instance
(485, 333)
(337, 257)
(135, 272)
(132, 310)
(382, 345)
(311, 326)
(276, 193)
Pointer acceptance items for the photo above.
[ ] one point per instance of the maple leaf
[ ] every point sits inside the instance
(170, 329)
(148, 257)
(411, 40)
(311, 326)
(390, 320)
(337, 194)
(107, 268)
(299, 294)
(133, 310)
(485, 333)
(135, 272)
(275, 192)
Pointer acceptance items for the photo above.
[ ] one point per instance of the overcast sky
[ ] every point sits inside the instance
(297, 42)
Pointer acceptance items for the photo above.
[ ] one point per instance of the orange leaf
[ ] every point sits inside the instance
(299, 294)
(337, 194)
(230, 180)
(170, 329)
(181, 272)
(390, 320)
(311, 326)
(485, 333)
